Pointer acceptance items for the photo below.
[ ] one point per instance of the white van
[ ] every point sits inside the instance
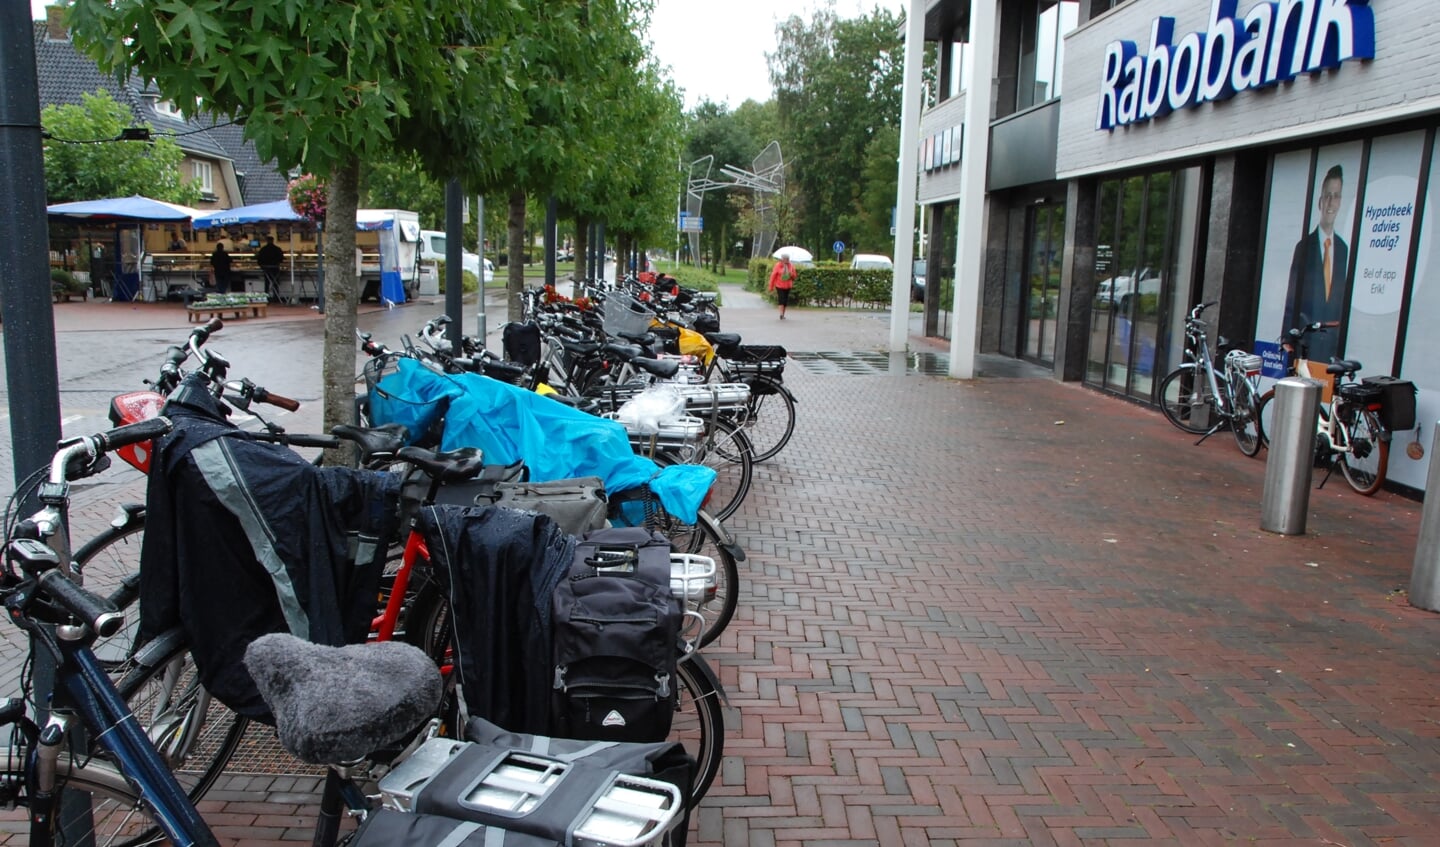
(432, 249)
(871, 262)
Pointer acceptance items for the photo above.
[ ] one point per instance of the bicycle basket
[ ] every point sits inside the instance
(625, 314)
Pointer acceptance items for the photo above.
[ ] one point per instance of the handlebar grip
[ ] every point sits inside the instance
(276, 400)
(134, 433)
(99, 613)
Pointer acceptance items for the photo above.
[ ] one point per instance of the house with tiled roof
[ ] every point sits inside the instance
(225, 166)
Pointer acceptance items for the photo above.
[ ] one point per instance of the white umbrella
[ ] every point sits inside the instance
(794, 254)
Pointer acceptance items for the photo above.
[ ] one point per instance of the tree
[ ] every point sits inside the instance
(83, 162)
(327, 86)
(868, 221)
(837, 82)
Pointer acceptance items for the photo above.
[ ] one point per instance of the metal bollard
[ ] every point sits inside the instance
(1286, 498)
(1425, 577)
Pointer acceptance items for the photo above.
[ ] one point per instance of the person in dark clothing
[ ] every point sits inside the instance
(269, 258)
(220, 267)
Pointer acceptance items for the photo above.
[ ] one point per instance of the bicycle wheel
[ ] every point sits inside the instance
(1245, 418)
(1187, 401)
(705, 538)
(195, 735)
(770, 417)
(699, 723)
(1263, 414)
(1366, 461)
(109, 565)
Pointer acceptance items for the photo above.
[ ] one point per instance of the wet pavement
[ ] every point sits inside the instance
(1010, 611)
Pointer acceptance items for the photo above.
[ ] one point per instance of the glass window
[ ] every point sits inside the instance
(1042, 50)
(204, 175)
(954, 76)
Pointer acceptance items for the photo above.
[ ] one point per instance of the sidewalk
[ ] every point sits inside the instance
(1010, 611)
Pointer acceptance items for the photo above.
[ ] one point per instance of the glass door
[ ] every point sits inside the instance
(1044, 249)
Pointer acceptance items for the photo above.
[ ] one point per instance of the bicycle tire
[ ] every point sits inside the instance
(770, 417)
(166, 696)
(1365, 463)
(1263, 411)
(1245, 419)
(1180, 400)
(105, 563)
(699, 723)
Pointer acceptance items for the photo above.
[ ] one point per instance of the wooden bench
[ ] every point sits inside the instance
(200, 314)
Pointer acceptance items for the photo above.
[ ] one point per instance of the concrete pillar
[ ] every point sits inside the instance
(1232, 250)
(1077, 280)
(975, 155)
(910, 103)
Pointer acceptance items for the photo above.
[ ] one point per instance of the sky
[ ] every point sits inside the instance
(716, 51)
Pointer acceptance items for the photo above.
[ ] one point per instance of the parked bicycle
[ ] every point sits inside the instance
(72, 730)
(1350, 429)
(1201, 399)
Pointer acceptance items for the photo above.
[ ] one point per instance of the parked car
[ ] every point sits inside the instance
(432, 249)
(871, 262)
(1118, 292)
(917, 281)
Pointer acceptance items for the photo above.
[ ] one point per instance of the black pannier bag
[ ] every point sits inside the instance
(616, 628)
(521, 342)
(1397, 401)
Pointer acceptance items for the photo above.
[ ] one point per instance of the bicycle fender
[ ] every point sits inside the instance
(727, 540)
(702, 667)
(159, 647)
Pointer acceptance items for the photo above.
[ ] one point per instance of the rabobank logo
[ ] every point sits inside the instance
(1272, 43)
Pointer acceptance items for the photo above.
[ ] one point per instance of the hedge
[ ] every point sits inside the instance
(826, 284)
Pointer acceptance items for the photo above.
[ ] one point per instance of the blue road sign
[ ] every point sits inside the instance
(838, 247)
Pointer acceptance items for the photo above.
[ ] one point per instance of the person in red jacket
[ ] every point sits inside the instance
(782, 279)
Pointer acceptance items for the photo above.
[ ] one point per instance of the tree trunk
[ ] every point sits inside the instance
(582, 243)
(342, 296)
(515, 265)
(622, 256)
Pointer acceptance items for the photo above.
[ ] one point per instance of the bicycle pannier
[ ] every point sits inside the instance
(1397, 401)
(616, 629)
(577, 505)
(521, 342)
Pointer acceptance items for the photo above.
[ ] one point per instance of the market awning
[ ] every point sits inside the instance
(278, 210)
(134, 208)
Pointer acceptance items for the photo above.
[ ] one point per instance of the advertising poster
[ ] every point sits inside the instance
(1289, 180)
(1422, 346)
(1382, 250)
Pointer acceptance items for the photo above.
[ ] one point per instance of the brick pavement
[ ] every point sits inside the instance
(1011, 611)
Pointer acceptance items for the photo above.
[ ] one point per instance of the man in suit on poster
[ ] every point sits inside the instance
(1319, 285)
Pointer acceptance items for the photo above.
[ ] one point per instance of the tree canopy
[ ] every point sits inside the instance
(84, 162)
(837, 85)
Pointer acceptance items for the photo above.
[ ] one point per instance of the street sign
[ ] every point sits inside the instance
(838, 247)
(691, 224)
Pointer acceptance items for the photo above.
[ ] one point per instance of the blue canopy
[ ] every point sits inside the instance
(278, 210)
(133, 208)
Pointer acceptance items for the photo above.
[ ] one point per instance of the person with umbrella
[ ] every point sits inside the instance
(782, 279)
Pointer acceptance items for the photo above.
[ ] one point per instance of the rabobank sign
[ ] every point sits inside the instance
(1272, 43)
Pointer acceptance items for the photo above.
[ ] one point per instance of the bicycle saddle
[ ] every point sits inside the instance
(723, 339)
(464, 463)
(1344, 366)
(337, 704)
(658, 367)
(383, 440)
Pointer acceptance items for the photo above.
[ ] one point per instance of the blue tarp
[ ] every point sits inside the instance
(555, 441)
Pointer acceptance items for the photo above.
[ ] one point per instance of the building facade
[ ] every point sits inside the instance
(1274, 158)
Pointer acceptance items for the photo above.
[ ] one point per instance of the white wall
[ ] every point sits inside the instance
(1401, 80)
